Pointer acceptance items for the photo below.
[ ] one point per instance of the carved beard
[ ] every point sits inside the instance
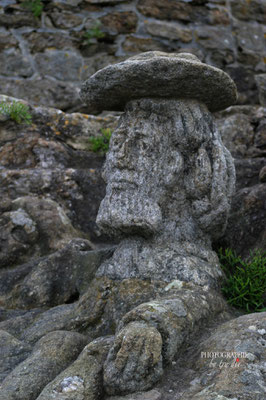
(128, 212)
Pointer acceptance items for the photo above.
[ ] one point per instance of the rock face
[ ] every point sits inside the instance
(157, 294)
(243, 130)
(169, 185)
(45, 59)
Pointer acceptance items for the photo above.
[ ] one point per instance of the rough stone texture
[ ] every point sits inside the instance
(12, 352)
(34, 227)
(52, 155)
(168, 30)
(179, 247)
(169, 185)
(150, 335)
(159, 75)
(49, 57)
(243, 130)
(246, 225)
(50, 355)
(226, 378)
(83, 379)
(51, 163)
(122, 22)
(49, 281)
(150, 395)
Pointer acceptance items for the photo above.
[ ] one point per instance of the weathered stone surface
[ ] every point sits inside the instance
(17, 321)
(33, 227)
(150, 335)
(50, 355)
(52, 158)
(12, 352)
(18, 20)
(161, 75)
(65, 20)
(133, 45)
(218, 42)
(246, 225)
(120, 22)
(222, 377)
(150, 395)
(45, 91)
(97, 62)
(250, 37)
(243, 130)
(248, 171)
(245, 10)
(83, 379)
(168, 30)
(7, 40)
(59, 278)
(63, 65)
(39, 41)
(167, 9)
(163, 257)
(12, 63)
(261, 83)
(169, 183)
(243, 76)
(139, 348)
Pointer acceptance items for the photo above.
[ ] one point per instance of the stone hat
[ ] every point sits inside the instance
(159, 75)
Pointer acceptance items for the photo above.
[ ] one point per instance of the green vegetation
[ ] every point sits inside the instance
(93, 33)
(16, 111)
(245, 285)
(100, 144)
(35, 6)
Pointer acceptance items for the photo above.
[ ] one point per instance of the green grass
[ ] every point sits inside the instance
(35, 6)
(245, 285)
(16, 111)
(93, 33)
(100, 144)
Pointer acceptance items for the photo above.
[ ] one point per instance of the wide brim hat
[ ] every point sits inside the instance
(158, 75)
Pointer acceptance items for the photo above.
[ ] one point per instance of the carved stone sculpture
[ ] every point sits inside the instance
(169, 185)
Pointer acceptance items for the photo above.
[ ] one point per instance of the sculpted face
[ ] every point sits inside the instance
(166, 171)
(139, 170)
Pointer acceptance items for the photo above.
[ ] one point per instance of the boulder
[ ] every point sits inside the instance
(83, 379)
(50, 355)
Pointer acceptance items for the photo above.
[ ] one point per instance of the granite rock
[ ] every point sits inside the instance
(83, 378)
(12, 352)
(49, 281)
(50, 355)
(161, 75)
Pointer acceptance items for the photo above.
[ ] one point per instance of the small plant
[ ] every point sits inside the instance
(245, 285)
(35, 6)
(93, 33)
(100, 144)
(16, 111)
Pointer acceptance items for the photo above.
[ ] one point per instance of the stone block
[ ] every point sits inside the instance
(246, 10)
(13, 63)
(168, 30)
(120, 22)
(134, 44)
(62, 65)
